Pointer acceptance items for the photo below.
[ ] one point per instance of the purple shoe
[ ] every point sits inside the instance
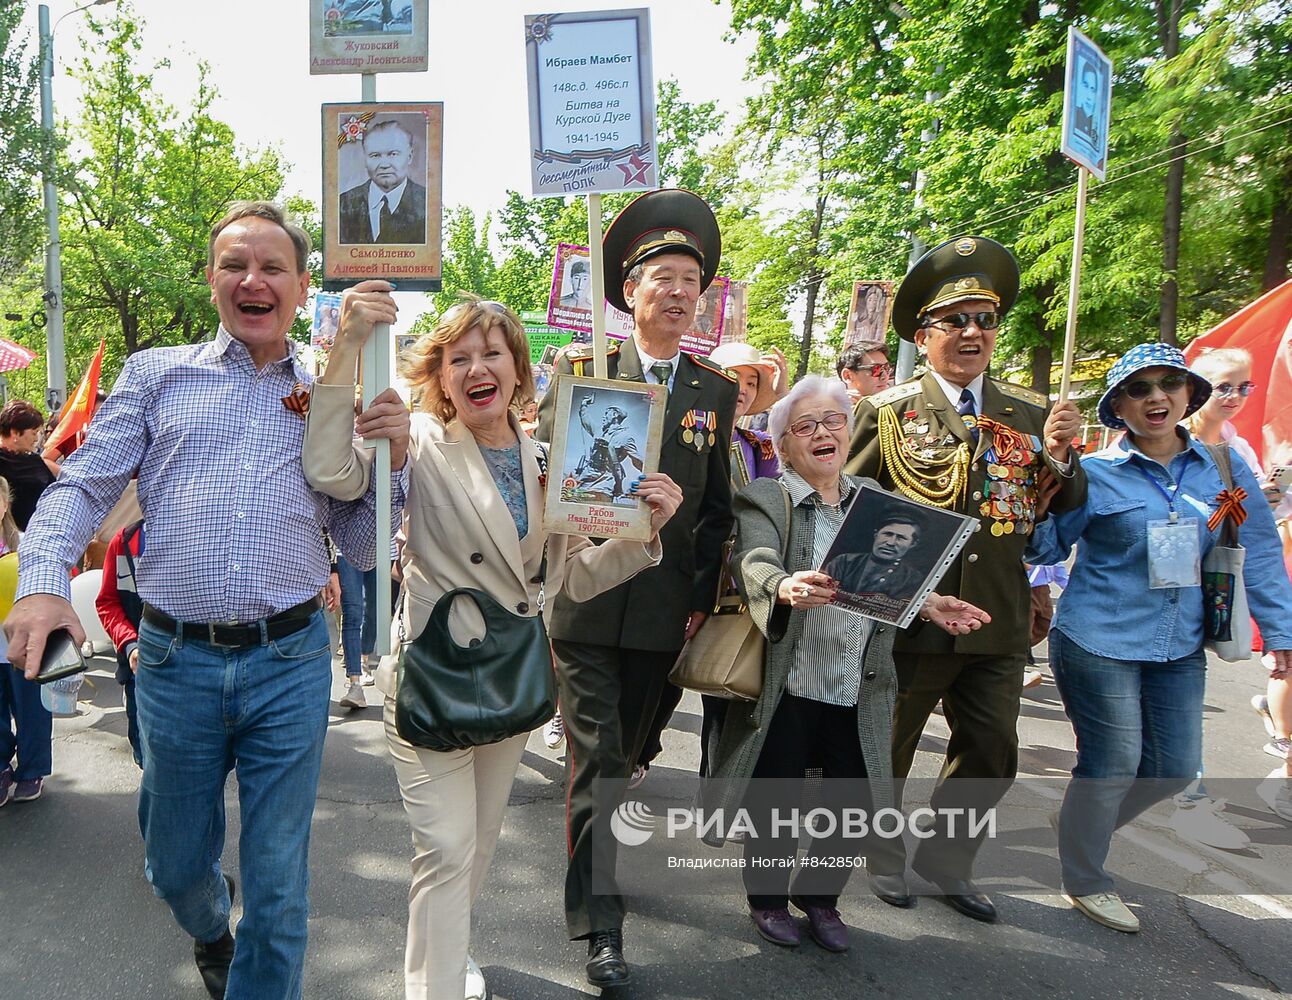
(776, 926)
(825, 926)
(6, 785)
(28, 790)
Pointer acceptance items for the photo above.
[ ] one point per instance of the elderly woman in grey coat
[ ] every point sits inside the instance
(829, 680)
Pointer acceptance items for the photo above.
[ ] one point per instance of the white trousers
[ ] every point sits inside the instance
(455, 802)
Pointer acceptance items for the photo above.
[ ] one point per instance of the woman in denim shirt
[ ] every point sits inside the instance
(1128, 660)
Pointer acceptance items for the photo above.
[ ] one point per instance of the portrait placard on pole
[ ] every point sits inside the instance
(368, 36)
(1087, 104)
(591, 102)
(381, 194)
(872, 303)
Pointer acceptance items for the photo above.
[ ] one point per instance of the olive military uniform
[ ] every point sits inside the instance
(913, 440)
(614, 652)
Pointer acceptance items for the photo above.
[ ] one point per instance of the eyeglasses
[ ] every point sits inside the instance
(807, 426)
(961, 321)
(876, 371)
(1224, 390)
(1141, 387)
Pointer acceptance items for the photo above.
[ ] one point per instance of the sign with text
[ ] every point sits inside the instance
(382, 168)
(591, 102)
(540, 334)
(368, 36)
(569, 305)
(1087, 104)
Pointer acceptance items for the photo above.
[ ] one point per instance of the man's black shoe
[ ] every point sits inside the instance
(892, 890)
(606, 965)
(961, 894)
(213, 958)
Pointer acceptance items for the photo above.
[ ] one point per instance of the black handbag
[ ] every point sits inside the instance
(450, 697)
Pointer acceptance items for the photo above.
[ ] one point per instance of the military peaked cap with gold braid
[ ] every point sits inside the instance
(667, 221)
(962, 268)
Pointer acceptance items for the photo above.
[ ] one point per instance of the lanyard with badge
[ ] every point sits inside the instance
(1174, 556)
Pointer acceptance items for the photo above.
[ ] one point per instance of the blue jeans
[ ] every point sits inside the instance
(353, 619)
(204, 710)
(26, 726)
(1139, 740)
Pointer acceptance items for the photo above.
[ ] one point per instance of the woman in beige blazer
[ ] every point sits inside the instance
(473, 518)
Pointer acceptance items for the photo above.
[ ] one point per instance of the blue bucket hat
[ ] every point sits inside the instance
(1135, 360)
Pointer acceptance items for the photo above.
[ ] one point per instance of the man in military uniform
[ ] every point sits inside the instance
(615, 651)
(881, 570)
(961, 440)
(603, 465)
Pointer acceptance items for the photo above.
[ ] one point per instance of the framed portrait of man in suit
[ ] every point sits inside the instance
(890, 552)
(1087, 104)
(381, 194)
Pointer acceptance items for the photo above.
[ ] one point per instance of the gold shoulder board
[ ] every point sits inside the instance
(708, 365)
(1037, 399)
(892, 395)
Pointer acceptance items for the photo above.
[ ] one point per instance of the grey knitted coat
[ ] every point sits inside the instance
(759, 570)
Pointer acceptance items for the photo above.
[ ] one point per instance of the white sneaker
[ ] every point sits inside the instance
(354, 696)
(1280, 747)
(1262, 706)
(1276, 791)
(476, 988)
(1032, 679)
(1199, 820)
(1108, 909)
(554, 732)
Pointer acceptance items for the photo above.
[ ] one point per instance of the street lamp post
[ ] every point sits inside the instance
(56, 360)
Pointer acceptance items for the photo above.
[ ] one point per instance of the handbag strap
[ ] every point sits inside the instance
(1223, 457)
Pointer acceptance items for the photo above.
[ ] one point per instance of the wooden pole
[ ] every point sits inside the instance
(1074, 287)
(599, 367)
(376, 380)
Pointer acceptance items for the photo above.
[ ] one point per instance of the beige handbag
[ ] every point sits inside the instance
(725, 658)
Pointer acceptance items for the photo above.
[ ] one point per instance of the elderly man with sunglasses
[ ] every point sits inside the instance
(964, 441)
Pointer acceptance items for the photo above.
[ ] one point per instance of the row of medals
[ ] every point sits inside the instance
(1009, 498)
(700, 426)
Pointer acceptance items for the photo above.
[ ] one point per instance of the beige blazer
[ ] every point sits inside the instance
(457, 531)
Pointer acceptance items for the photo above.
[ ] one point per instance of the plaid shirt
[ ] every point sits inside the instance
(234, 530)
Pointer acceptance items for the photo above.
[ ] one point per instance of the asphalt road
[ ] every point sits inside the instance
(77, 918)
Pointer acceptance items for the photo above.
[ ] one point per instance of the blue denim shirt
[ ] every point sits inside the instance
(1108, 607)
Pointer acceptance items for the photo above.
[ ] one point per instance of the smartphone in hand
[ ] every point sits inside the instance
(62, 657)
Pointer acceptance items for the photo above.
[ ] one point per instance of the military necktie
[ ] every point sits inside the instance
(662, 371)
(383, 222)
(967, 409)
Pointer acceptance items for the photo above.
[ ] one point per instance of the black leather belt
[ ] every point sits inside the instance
(237, 636)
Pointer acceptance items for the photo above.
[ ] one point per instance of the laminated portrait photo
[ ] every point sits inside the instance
(606, 434)
(891, 552)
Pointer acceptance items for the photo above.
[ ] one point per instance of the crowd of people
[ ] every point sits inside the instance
(234, 435)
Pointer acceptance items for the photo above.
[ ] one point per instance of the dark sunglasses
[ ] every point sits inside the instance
(876, 371)
(1141, 387)
(1225, 389)
(832, 421)
(960, 321)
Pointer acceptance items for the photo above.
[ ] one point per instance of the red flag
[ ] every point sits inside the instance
(78, 411)
(1264, 329)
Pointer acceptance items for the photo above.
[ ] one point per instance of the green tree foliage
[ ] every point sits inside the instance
(141, 199)
(20, 154)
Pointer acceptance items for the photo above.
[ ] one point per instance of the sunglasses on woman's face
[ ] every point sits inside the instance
(1141, 387)
(1225, 389)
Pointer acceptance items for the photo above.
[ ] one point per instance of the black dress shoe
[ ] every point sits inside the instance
(892, 890)
(961, 894)
(213, 958)
(606, 965)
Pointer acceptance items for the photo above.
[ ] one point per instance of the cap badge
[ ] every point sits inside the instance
(965, 283)
(673, 236)
(966, 246)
